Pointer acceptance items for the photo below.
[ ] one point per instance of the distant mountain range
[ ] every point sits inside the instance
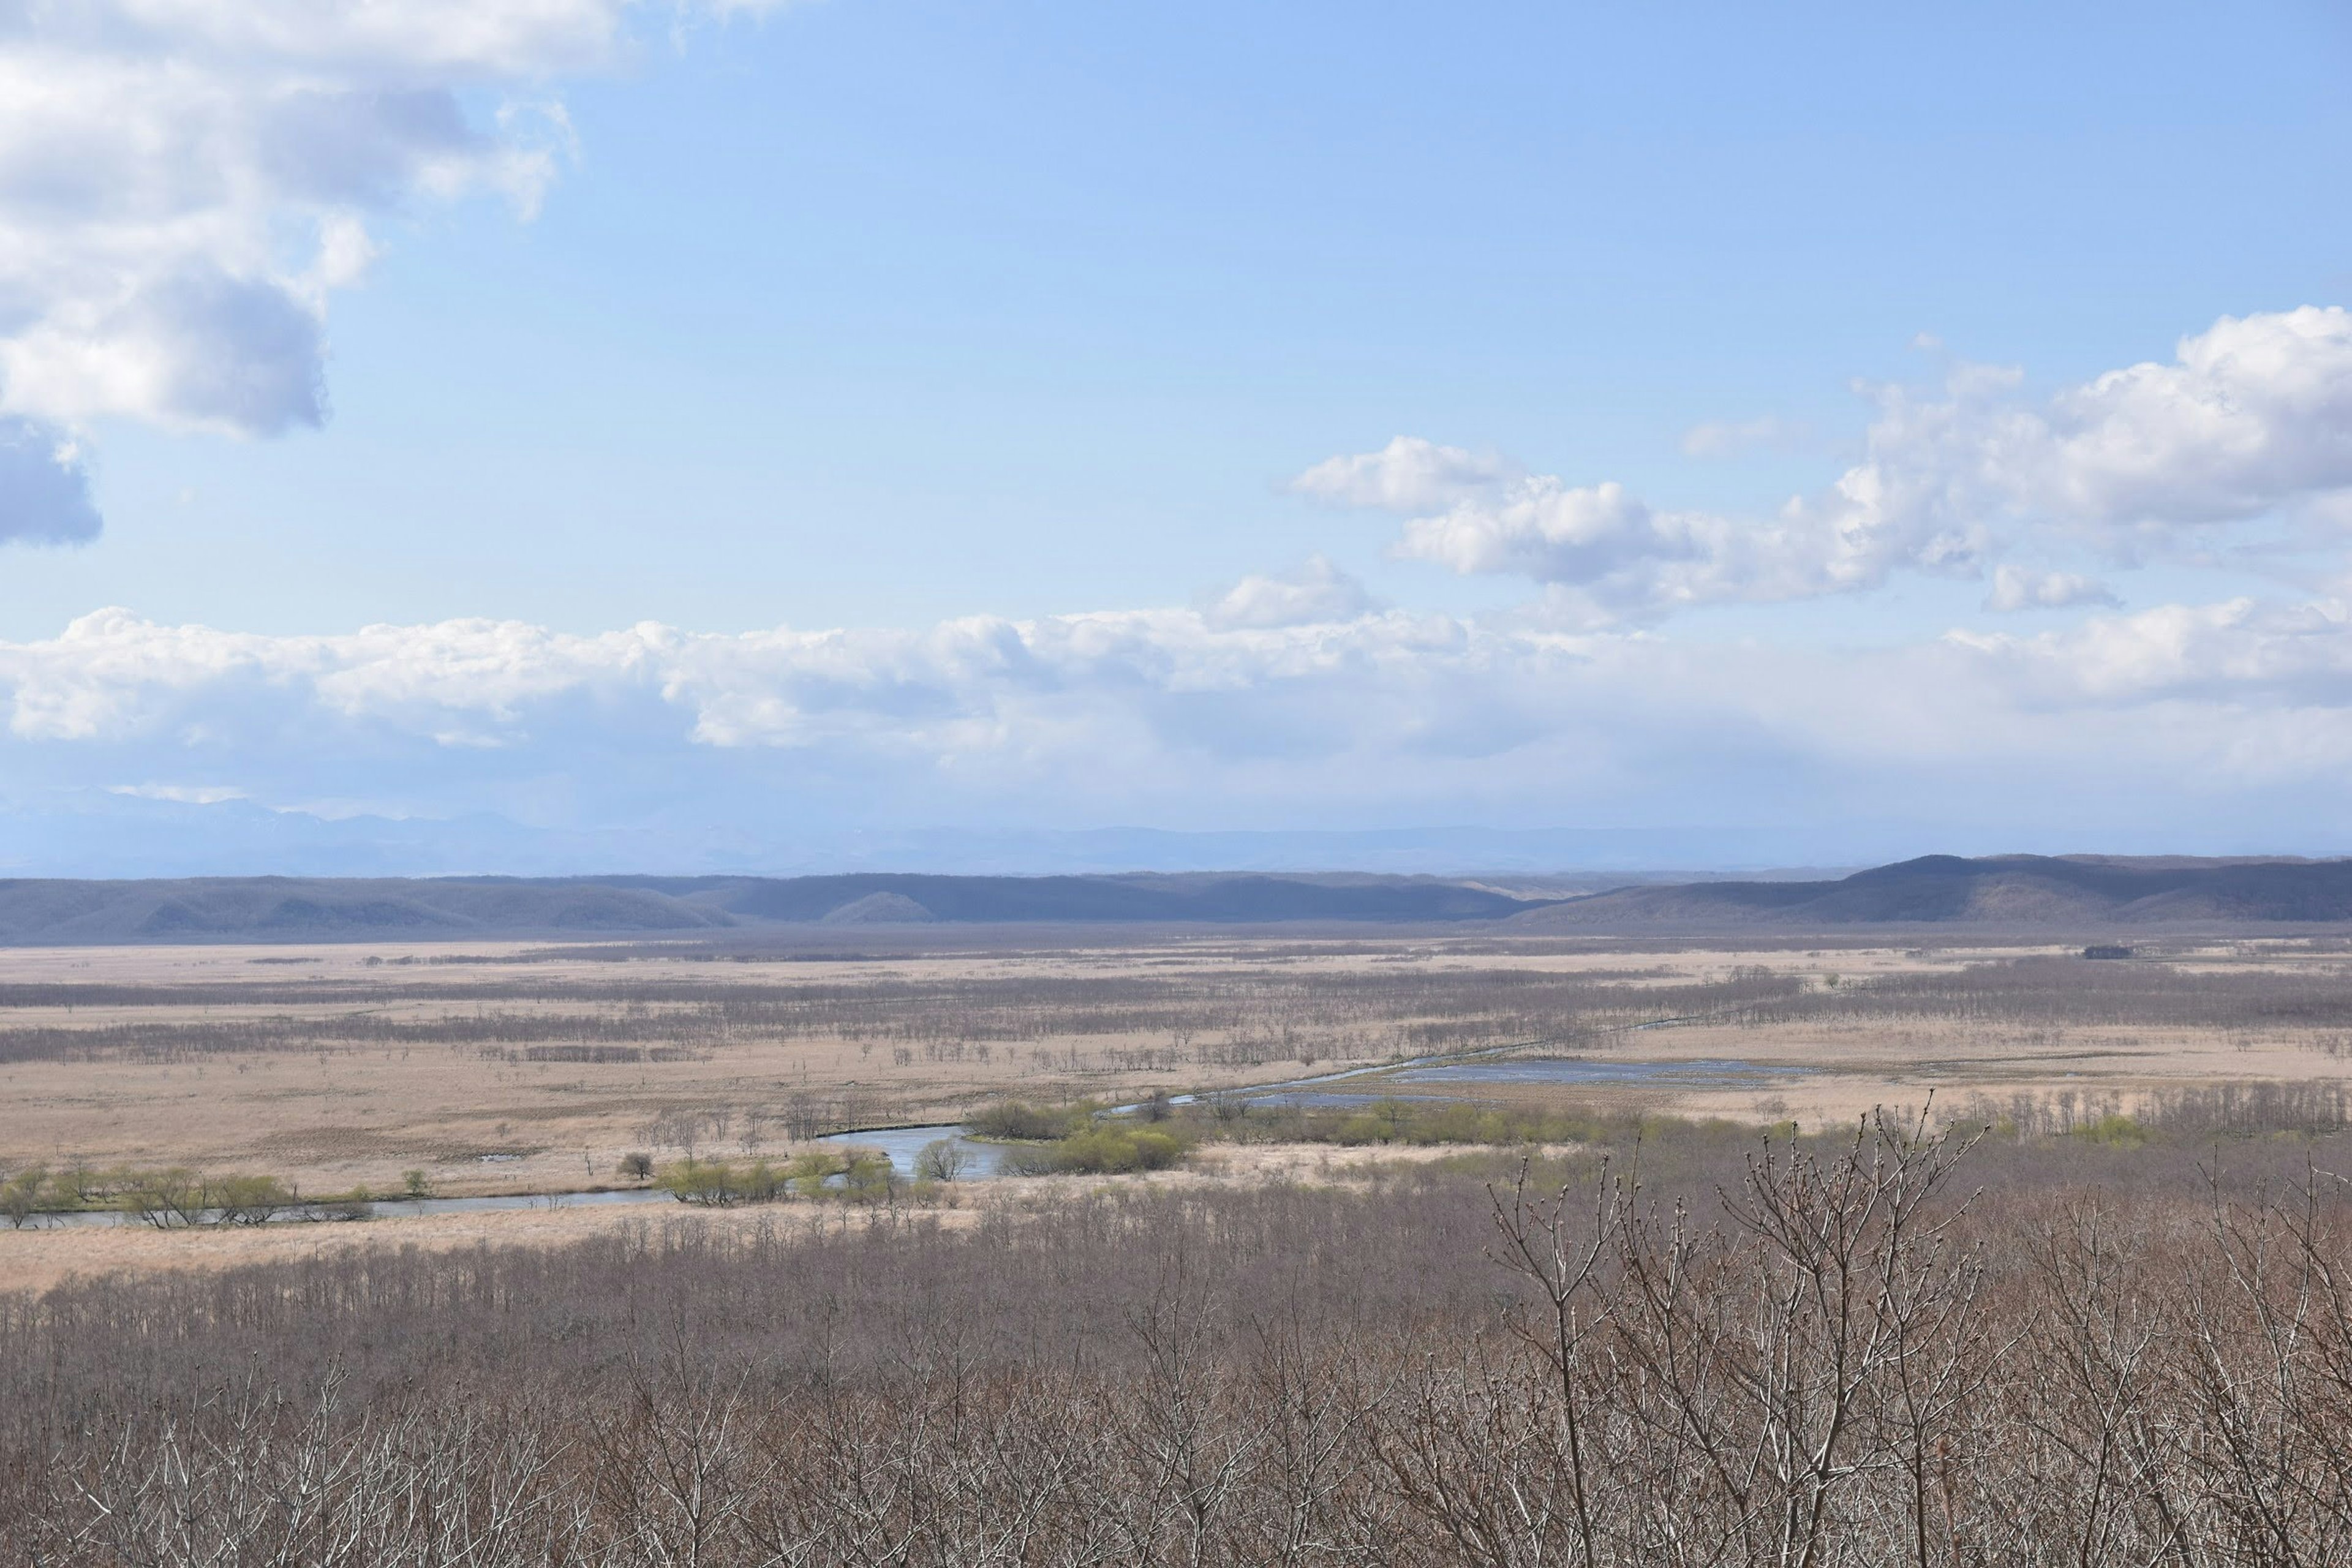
(285, 909)
(2017, 891)
(2073, 891)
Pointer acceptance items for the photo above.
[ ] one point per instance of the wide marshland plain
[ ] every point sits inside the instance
(477, 1069)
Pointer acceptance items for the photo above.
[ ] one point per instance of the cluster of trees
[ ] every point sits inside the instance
(21, 1195)
(169, 1198)
(854, 1175)
(1073, 1139)
(1017, 1119)
(1111, 1149)
(1809, 1354)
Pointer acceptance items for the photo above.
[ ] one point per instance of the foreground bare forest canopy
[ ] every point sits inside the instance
(1711, 1349)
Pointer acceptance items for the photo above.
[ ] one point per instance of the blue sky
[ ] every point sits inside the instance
(938, 326)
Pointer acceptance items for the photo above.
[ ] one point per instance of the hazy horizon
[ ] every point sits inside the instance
(150, 838)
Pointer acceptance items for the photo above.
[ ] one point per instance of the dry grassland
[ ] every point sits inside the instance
(331, 1114)
(516, 1069)
(221, 1081)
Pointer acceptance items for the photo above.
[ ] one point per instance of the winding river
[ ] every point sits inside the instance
(984, 1160)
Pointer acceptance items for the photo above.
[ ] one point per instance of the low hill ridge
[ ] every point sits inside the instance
(2022, 890)
(2017, 891)
(284, 909)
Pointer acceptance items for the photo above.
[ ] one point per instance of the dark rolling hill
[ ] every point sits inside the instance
(2016, 890)
(283, 909)
(910, 896)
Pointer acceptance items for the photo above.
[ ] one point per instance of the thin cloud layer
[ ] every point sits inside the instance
(1735, 437)
(2239, 654)
(1409, 474)
(1091, 717)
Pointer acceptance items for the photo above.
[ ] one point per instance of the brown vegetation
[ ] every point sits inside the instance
(527, 1070)
(1865, 1350)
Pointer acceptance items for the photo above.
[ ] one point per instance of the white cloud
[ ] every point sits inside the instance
(439, 718)
(184, 184)
(2253, 412)
(182, 794)
(1409, 474)
(1316, 592)
(1172, 714)
(2254, 415)
(2240, 652)
(2253, 419)
(2014, 588)
(1605, 554)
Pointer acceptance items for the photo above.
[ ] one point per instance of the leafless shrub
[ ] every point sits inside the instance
(941, 1160)
(1832, 1353)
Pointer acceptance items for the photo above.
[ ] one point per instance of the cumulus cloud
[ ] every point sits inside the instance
(1408, 475)
(2252, 417)
(1316, 592)
(184, 183)
(2253, 412)
(2014, 588)
(1606, 555)
(44, 485)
